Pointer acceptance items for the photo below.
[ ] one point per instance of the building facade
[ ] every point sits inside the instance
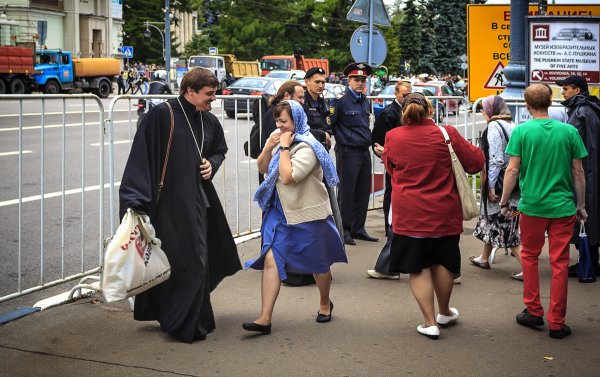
(87, 28)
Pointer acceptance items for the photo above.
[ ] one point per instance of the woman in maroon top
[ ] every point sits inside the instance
(426, 210)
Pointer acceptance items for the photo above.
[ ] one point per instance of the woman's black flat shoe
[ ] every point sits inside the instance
(252, 326)
(322, 318)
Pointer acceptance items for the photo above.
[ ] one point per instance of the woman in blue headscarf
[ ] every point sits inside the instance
(298, 231)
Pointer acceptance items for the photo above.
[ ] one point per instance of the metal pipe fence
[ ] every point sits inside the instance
(69, 166)
(52, 162)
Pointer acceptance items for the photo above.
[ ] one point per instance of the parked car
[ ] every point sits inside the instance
(333, 91)
(254, 86)
(376, 86)
(439, 88)
(387, 96)
(439, 112)
(383, 99)
(294, 74)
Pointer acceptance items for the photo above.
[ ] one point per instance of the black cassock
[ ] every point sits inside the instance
(188, 217)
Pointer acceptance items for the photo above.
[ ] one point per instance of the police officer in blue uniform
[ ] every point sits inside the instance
(315, 106)
(350, 124)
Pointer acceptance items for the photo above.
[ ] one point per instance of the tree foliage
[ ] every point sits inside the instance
(409, 34)
(450, 31)
(393, 59)
(428, 56)
(136, 12)
(429, 34)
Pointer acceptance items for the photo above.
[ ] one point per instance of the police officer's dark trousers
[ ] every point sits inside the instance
(354, 170)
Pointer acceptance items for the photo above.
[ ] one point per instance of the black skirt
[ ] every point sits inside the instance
(410, 255)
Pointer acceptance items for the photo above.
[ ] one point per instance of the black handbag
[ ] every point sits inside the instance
(500, 180)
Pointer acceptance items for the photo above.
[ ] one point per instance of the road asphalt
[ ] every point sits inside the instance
(373, 331)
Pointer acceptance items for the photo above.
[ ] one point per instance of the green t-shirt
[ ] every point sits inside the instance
(546, 148)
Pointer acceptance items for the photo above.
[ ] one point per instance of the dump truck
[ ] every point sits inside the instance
(16, 70)
(225, 65)
(58, 72)
(290, 62)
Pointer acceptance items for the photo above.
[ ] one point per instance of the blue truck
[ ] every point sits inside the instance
(57, 72)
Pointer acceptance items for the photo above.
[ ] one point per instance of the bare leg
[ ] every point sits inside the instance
(442, 284)
(517, 251)
(422, 289)
(487, 250)
(269, 289)
(324, 284)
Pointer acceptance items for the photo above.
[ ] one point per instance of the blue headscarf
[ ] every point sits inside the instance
(302, 134)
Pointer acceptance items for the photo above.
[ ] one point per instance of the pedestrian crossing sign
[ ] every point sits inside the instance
(127, 52)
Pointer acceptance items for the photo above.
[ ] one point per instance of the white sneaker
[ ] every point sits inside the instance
(432, 332)
(446, 320)
(378, 275)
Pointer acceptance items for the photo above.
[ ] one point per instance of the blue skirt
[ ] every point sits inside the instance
(310, 247)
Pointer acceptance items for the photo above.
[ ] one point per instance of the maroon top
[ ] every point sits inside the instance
(425, 202)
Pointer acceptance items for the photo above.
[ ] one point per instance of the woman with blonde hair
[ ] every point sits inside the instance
(426, 209)
(495, 230)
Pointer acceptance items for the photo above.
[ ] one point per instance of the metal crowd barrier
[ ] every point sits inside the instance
(235, 182)
(237, 178)
(51, 189)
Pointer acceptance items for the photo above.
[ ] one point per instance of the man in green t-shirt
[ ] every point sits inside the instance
(546, 156)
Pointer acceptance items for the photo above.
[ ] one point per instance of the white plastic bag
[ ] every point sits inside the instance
(134, 261)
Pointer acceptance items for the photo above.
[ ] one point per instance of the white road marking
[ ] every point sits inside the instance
(106, 143)
(94, 111)
(60, 125)
(14, 153)
(55, 194)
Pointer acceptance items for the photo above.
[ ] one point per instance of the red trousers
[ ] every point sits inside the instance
(533, 231)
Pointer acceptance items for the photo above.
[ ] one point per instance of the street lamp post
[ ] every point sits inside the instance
(148, 34)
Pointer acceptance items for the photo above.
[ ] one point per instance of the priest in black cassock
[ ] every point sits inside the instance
(186, 213)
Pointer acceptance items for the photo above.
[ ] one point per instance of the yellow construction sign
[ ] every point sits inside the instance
(488, 42)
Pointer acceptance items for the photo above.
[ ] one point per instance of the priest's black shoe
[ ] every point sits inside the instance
(365, 236)
(253, 326)
(349, 240)
(322, 318)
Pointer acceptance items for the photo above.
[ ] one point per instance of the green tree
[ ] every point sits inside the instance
(450, 31)
(248, 28)
(135, 13)
(428, 55)
(334, 32)
(198, 45)
(409, 34)
(391, 34)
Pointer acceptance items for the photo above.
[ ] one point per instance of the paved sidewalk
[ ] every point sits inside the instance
(373, 332)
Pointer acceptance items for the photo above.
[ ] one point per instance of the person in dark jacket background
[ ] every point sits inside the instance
(315, 107)
(389, 118)
(583, 111)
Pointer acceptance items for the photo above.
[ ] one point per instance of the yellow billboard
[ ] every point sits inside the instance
(488, 42)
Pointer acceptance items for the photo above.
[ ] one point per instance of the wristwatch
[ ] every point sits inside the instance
(282, 148)
(505, 205)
